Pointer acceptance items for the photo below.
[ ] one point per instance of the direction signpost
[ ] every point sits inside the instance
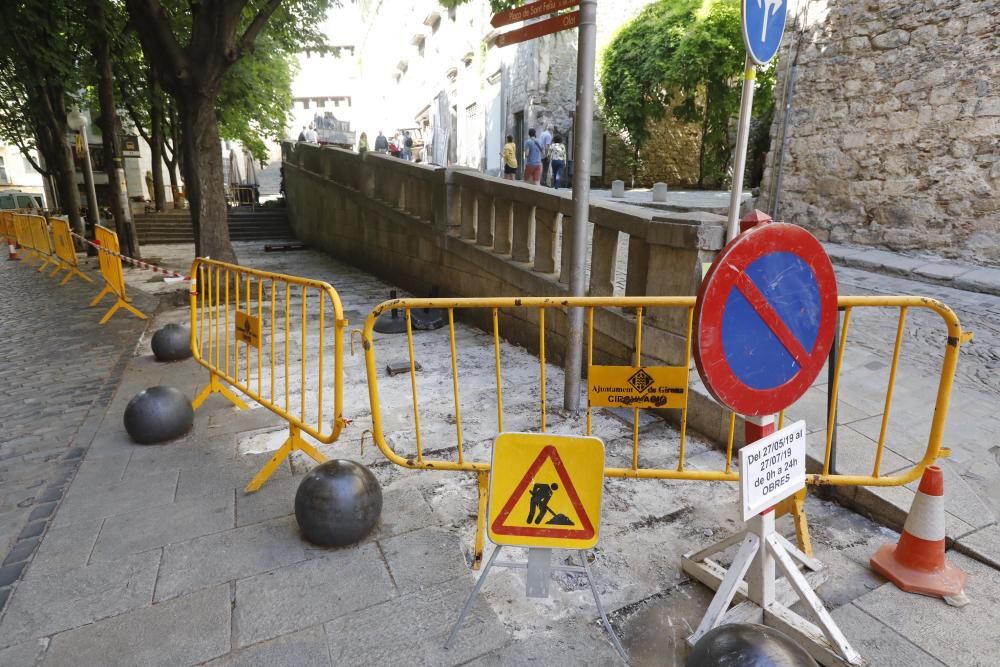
(586, 20)
(763, 25)
(764, 322)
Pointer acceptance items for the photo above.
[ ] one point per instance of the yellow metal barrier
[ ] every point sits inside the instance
(41, 241)
(109, 256)
(25, 239)
(65, 252)
(267, 335)
(676, 387)
(7, 225)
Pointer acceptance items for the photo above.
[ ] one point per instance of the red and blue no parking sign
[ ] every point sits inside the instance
(765, 318)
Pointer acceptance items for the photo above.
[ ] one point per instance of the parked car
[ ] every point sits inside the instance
(15, 199)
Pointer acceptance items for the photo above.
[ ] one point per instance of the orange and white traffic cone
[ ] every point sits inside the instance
(917, 564)
(11, 251)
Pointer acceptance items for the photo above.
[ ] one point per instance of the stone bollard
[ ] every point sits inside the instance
(618, 189)
(659, 192)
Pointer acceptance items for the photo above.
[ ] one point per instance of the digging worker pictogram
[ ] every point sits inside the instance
(541, 494)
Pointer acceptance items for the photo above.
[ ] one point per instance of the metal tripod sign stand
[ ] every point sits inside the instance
(545, 493)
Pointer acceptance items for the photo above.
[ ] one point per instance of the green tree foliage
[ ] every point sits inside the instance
(686, 57)
(256, 97)
(634, 87)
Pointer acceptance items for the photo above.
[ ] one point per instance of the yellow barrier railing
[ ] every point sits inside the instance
(25, 238)
(109, 257)
(41, 241)
(534, 310)
(267, 335)
(7, 226)
(65, 252)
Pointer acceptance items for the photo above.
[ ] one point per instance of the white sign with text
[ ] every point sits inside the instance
(772, 469)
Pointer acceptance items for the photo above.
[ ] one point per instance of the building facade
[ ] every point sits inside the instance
(439, 72)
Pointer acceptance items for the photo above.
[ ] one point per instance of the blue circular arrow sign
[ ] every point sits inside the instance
(763, 25)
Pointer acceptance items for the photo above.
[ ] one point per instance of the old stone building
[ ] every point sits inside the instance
(439, 73)
(887, 128)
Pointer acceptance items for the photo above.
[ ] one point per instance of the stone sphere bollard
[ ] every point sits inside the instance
(338, 503)
(748, 645)
(158, 414)
(172, 343)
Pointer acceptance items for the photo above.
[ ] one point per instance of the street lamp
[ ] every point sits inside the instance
(78, 123)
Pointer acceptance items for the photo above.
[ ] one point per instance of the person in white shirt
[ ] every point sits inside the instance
(545, 139)
(311, 135)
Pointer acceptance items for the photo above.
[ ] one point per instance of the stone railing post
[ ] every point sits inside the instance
(468, 226)
(638, 266)
(603, 261)
(502, 211)
(545, 239)
(366, 181)
(678, 245)
(524, 220)
(484, 219)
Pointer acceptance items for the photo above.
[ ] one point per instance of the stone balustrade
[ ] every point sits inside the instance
(476, 235)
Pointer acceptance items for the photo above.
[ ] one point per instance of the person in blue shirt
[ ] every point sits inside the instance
(532, 159)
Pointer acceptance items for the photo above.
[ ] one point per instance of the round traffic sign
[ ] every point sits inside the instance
(763, 25)
(765, 318)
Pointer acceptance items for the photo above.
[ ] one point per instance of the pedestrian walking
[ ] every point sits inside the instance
(381, 143)
(510, 159)
(302, 134)
(557, 153)
(545, 139)
(532, 159)
(363, 143)
(311, 135)
(407, 152)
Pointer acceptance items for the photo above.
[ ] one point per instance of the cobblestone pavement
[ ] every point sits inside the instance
(59, 371)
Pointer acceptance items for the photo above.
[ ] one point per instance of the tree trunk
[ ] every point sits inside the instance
(202, 164)
(156, 145)
(111, 142)
(701, 150)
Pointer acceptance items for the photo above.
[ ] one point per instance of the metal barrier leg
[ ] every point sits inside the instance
(293, 443)
(484, 487)
(73, 271)
(100, 295)
(55, 271)
(121, 303)
(472, 596)
(216, 387)
(796, 506)
(600, 608)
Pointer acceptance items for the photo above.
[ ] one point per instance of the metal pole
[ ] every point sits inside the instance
(581, 197)
(739, 163)
(830, 378)
(88, 180)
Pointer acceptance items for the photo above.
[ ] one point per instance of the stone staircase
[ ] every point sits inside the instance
(245, 224)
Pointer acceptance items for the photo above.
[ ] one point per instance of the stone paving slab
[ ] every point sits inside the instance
(67, 599)
(158, 526)
(980, 280)
(234, 554)
(306, 648)
(878, 643)
(423, 558)
(420, 623)
(86, 503)
(952, 635)
(983, 545)
(941, 271)
(283, 600)
(64, 548)
(183, 631)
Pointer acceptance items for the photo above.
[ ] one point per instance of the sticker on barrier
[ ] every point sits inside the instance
(765, 318)
(637, 386)
(545, 490)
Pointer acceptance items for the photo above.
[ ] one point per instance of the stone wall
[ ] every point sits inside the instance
(894, 132)
(670, 155)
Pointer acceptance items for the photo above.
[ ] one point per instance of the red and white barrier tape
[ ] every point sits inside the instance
(169, 276)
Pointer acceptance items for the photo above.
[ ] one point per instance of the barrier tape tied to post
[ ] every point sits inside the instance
(168, 275)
